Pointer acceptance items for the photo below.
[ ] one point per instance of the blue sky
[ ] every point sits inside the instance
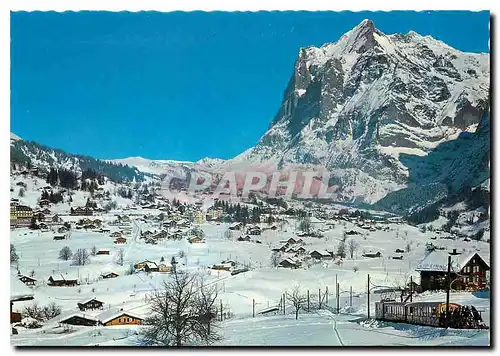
(178, 85)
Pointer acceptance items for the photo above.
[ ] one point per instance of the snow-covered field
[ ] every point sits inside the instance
(38, 252)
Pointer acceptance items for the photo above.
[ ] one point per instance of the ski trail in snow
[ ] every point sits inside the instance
(134, 240)
(334, 325)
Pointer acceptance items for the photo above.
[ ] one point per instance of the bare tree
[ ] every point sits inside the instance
(51, 311)
(297, 298)
(401, 283)
(14, 258)
(182, 313)
(65, 253)
(41, 314)
(305, 225)
(130, 270)
(33, 311)
(81, 257)
(120, 257)
(93, 250)
(275, 259)
(228, 234)
(341, 248)
(408, 246)
(352, 247)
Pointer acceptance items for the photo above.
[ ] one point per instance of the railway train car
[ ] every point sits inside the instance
(429, 313)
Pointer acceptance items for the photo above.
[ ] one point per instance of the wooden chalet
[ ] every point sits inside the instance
(62, 230)
(120, 240)
(195, 240)
(222, 267)
(164, 267)
(108, 275)
(288, 263)
(300, 250)
(280, 248)
(151, 267)
(62, 282)
(467, 272)
(142, 265)
(254, 230)
(90, 304)
(39, 216)
(115, 234)
(27, 280)
(160, 235)
(80, 320)
(235, 226)
(44, 202)
(372, 254)
(244, 238)
(147, 233)
(318, 254)
(102, 251)
(79, 211)
(291, 241)
(352, 232)
(118, 317)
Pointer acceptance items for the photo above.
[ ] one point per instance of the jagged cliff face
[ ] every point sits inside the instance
(356, 104)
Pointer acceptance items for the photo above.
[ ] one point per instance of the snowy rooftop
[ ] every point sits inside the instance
(88, 300)
(114, 313)
(19, 290)
(438, 261)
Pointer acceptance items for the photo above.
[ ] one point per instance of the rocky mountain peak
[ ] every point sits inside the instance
(355, 104)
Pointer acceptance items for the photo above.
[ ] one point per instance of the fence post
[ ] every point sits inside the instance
(284, 303)
(350, 297)
(308, 300)
(326, 299)
(368, 296)
(253, 308)
(319, 298)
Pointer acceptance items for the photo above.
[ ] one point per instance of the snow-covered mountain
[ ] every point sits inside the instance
(157, 167)
(14, 137)
(43, 157)
(355, 105)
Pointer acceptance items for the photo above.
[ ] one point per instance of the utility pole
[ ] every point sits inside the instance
(221, 318)
(368, 295)
(447, 313)
(308, 300)
(253, 308)
(326, 295)
(338, 298)
(336, 282)
(319, 297)
(411, 289)
(350, 296)
(283, 303)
